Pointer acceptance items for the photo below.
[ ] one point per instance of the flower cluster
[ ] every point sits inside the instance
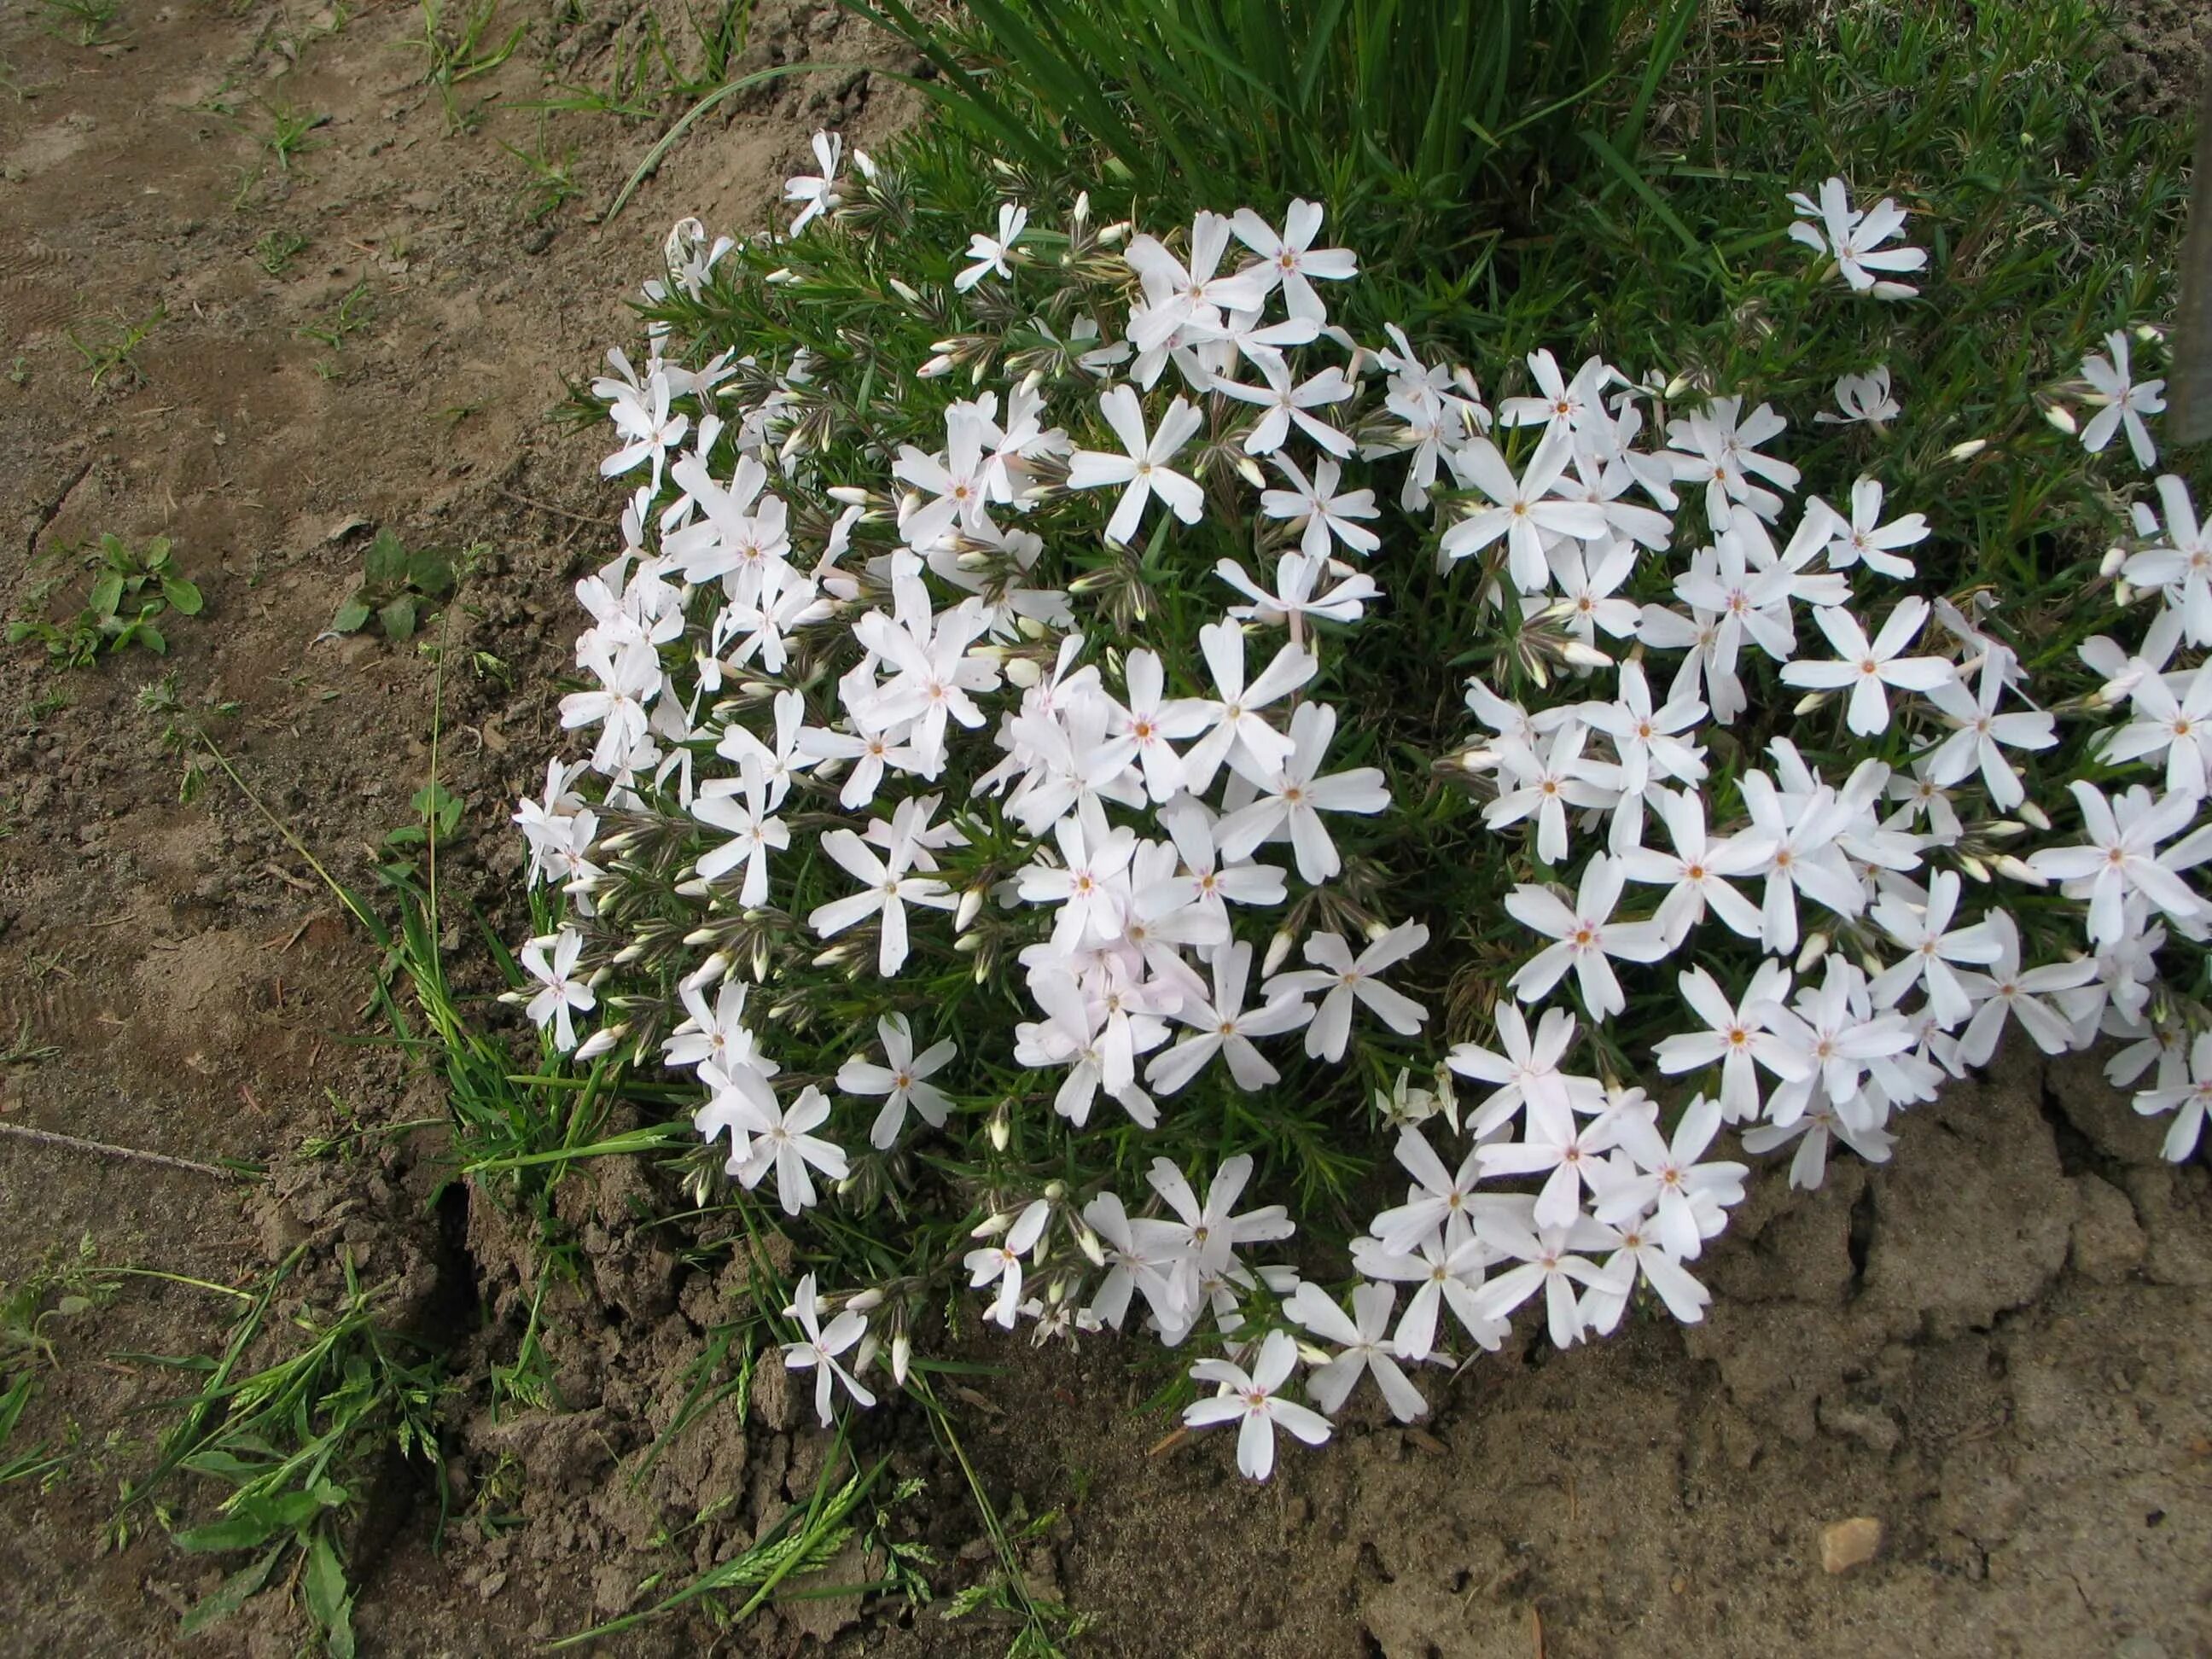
(1025, 717)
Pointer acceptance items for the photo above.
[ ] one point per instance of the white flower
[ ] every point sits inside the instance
(2122, 857)
(818, 190)
(561, 992)
(1297, 575)
(1144, 467)
(1545, 786)
(1451, 1276)
(1867, 539)
(2177, 726)
(1205, 1238)
(1583, 936)
(1089, 884)
(1714, 448)
(1237, 726)
(887, 888)
(1867, 668)
(990, 253)
(1287, 406)
(821, 1348)
(1177, 296)
(1740, 1037)
(781, 1142)
(1568, 1154)
(2005, 990)
(2181, 564)
(1687, 1200)
(752, 830)
(1141, 1255)
(1437, 1203)
(1292, 798)
(900, 1079)
(1854, 239)
(1862, 397)
(1696, 872)
(1328, 515)
(2120, 401)
(1000, 1262)
(2189, 1102)
(1224, 1026)
(1255, 1398)
(1523, 511)
(1363, 1348)
(1548, 1261)
(1931, 945)
(1980, 729)
(1345, 979)
(1292, 261)
(1528, 1070)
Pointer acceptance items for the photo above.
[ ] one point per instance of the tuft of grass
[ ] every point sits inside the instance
(551, 183)
(289, 133)
(276, 250)
(87, 23)
(458, 46)
(108, 345)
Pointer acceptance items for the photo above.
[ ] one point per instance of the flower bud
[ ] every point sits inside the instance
(867, 1301)
(904, 292)
(599, 1042)
(866, 1356)
(2020, 870)
(1088, 1243)
(1974, 866)
(971, 904)
(2062, 417)
(1001, 1128)
(2109, 565)
(1810, 954)
(1807, 703)
(1968, 450)
(693, 888)
(2036, 816)
(2124, 593)
(707, 972)
(901, 1356)
(1278, 950)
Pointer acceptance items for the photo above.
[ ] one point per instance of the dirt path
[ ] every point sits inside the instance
(1994, 1348)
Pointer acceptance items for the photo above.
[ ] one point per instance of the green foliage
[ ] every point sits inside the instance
(354, 312)
(398, 588)
(458, 46)
(289, 133)
(110, 344)
(132, 589)
(551, 184)
(294, 1442)
(1414, 120)
(87, 23)
(276, 250)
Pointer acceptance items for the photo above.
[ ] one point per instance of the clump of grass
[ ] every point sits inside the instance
(458, 46)
(108, 345)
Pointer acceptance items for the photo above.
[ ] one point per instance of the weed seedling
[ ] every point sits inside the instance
(288, 133)
(88, 22)
(551, 183)
(113, 346)
(278, 249)
(131, 591)
(397, 588)
(354, 313)
(457, 50)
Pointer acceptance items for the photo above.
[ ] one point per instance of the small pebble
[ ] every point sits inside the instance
(1848, 1544)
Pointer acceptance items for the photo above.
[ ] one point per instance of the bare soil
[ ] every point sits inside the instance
(1996, 1347)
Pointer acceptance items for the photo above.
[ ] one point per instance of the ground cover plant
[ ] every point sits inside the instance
(1081, 743)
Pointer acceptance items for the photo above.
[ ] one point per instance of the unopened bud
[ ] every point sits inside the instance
(1001, 1128)
(2109, 565)
(901, 1356)
(599, 1042)
(1974, 866)
(1808, 955)
(971, 905)
(1087, 1242)
(2124, 593)
(904, 292)
(2062, 417)
(1278, 950)
(2020, 870)
(2036, 816)
(1968, 450)
(870, 1345)
(850, 495)
(1806, 704)
(706, 973)
(867, 1301)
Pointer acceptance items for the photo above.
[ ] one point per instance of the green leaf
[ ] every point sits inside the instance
(107, 595)
(398, 617)
(386, 564)
(431, 572)
(323, 1587)
(228, 1597)
(353, 616)
(13, 1401)
(184, 597)
(242, 1531)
